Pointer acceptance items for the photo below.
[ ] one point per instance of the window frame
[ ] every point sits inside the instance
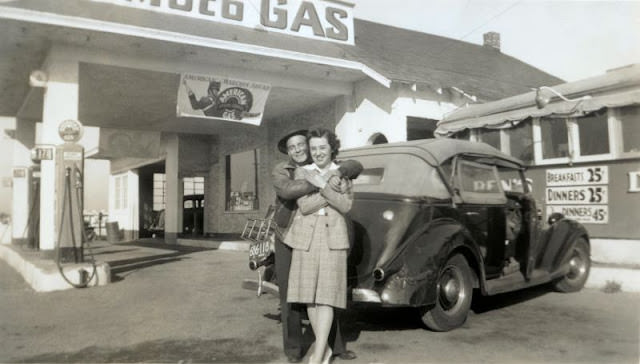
(618, 143)
(615, 139)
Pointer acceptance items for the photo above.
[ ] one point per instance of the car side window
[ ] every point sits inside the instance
(511, 180)
(478, 183)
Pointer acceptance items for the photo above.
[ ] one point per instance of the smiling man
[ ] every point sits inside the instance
(294, 145)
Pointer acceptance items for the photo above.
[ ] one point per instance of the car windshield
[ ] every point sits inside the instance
(401, 174)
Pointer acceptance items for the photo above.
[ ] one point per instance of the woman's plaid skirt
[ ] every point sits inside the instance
(319, 275)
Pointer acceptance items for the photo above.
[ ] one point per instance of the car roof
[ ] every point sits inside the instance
(437, 151)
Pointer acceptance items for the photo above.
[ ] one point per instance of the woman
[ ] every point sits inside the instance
(319, 238)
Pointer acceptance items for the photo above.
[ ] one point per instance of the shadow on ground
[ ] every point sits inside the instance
(481, 304)
(371, 318)
(231, 350)
(120, 267)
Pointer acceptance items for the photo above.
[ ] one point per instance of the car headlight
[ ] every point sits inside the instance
(388, 215)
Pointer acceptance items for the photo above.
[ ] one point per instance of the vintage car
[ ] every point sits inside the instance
(434, 219)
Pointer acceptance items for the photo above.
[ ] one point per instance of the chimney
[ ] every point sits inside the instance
(492, 39)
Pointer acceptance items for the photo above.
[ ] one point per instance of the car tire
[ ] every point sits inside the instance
(453, 296)
(580, 263)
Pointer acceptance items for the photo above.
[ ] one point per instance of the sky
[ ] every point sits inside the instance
(571, 40)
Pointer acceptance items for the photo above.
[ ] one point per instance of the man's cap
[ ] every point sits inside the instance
(282, 144)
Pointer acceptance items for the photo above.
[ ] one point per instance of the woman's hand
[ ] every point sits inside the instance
(315, 179)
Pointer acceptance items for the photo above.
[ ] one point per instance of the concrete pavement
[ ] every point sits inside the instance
(184, 304)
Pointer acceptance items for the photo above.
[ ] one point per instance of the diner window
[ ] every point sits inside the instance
(630, 126)
(594, 134)
(555, 138)
(241, 181)
(490, 136)
(520, 141)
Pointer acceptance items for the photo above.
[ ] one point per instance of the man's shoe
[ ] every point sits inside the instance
(346, 355)
(294, 358)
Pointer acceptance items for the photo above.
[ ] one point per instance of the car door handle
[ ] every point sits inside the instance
(472, 213)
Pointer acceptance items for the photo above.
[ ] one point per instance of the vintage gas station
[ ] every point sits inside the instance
(115, 79)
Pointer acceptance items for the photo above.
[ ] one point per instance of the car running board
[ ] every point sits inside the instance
(515, 281)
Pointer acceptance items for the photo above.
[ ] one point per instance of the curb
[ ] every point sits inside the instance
(43, 274)
(236, 245)
(602, 276)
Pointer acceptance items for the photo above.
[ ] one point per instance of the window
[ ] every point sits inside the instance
(378, 138)
(630, 125)
(520, 141)
(555, 138)
(120, 195)
(594, 134)
(193, 186)
(478, 183)
(463, 134)
(490, 136)
(241, 183)
(159, 191)
(511, 180)
(420, 128)
(370, 176)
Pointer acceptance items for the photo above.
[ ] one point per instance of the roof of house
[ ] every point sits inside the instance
(402, 54)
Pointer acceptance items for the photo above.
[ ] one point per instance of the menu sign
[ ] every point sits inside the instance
(580, 193)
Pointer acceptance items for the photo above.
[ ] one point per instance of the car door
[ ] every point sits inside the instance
(481, 209)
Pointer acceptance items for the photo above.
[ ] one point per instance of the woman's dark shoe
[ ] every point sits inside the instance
(346, 355)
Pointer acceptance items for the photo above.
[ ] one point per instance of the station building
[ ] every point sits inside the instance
(125, 69)
(581, 141)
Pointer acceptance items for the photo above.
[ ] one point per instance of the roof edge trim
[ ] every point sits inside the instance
(47, 18)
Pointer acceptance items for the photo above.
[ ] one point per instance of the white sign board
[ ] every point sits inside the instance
(327, 20)
(578, 176)
(590, 214)
(577, 195)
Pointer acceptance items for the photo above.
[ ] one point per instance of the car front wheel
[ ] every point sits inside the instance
(453, 296)
(579, 267)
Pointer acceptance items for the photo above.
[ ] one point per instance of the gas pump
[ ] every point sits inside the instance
(69, 180)
(32, 230)
(69, 201)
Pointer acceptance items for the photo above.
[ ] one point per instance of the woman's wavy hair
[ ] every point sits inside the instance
(331, 137)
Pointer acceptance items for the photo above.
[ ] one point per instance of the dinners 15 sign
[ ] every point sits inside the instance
(214, 97)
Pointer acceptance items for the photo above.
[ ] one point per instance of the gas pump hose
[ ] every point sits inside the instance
(67, 198)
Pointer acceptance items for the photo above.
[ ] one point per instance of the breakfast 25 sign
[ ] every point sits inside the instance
(329, 20)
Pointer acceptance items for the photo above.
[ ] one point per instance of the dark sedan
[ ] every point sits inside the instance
(435, 219)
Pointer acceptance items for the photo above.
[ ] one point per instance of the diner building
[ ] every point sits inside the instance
(581, 141)
(187, 100)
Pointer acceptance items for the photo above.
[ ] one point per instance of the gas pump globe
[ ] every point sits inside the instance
(69, 162)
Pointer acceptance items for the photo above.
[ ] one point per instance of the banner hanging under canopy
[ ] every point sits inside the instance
(222, 98)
